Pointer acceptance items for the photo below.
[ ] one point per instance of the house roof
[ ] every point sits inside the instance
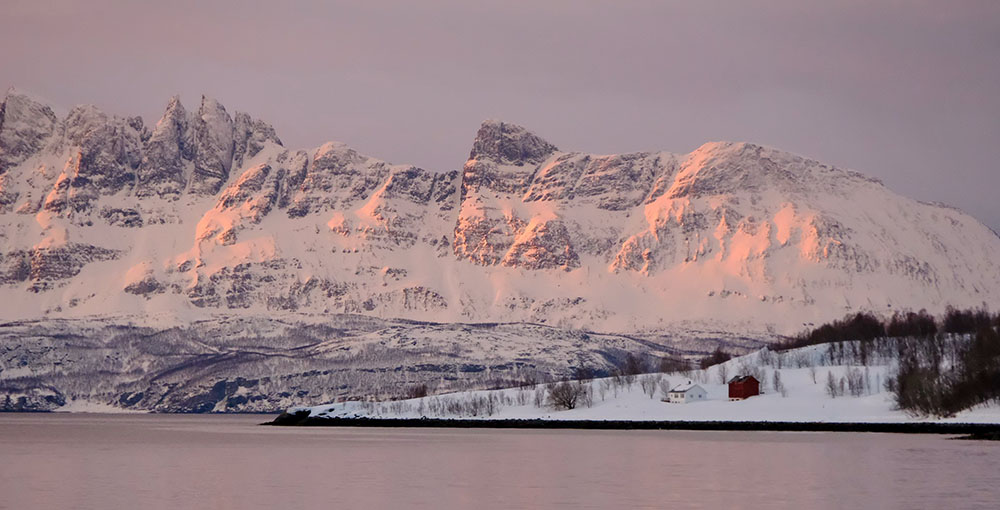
(742, 378)
(681, 388)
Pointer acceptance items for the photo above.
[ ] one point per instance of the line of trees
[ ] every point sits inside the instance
(927, 383)
(943, 365)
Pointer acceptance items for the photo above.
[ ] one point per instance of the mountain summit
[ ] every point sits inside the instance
(208, 211)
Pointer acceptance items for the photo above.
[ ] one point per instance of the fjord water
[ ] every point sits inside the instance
(193, 461)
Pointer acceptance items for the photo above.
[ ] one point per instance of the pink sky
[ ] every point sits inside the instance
(906, 91)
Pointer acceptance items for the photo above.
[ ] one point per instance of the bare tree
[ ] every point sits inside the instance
(778, 385)
(665, 387)
(565, 395)
(723, 373)
(831, 385)
(649, 384)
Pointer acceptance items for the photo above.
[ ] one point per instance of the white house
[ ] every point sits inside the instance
(687, 392)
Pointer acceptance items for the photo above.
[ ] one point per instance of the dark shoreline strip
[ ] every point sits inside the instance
(303, 420)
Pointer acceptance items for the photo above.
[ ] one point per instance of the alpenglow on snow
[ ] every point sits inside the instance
(207, 211)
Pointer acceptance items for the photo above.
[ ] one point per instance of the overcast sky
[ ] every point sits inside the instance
(906, 91)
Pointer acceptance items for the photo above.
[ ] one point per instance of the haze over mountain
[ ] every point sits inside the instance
(207, 212)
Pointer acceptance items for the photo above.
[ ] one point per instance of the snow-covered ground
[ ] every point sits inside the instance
(805, 399)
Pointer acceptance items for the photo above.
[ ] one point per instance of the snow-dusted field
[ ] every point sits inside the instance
(805, 399)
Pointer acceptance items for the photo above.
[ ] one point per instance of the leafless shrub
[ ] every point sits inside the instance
(565, 395)
(649, 384)
(778, 385)
(665, 387)
(539, 396)
(855, 382)
(832, 388)
(723, 373)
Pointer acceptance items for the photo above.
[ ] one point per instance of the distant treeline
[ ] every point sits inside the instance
(944, 365)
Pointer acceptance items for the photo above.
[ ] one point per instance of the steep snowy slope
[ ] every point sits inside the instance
(208, 212)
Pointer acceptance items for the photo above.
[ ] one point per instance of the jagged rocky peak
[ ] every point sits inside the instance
(106, 153)
(25, 125)
(249, 137)
(509, 144)
(503, 158)
(213, 138)
(200, 148)
(163, 169)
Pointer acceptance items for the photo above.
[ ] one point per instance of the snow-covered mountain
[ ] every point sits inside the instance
(207, 212)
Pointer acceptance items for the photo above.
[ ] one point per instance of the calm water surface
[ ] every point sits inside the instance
(227, 462)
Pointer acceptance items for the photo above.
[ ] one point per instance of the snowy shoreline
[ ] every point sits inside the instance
(303, 419)
(801, 389)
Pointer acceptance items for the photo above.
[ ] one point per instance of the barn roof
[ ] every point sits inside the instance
(742, 378)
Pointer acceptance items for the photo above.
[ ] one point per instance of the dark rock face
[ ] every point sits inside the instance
(198, 152)
(119, 217)
(50, 265)
(167, 152)
(509, 144)
(622, 181)
(45, 268)
(421, 187)
(257, 191)
(337, 177)
(145, 287)
(33, 399)
(558, 181)
(213, 156)
(545, 245)
(15, 267)
(25, 126)
(110, 150)
(249, 137)
(484, 240)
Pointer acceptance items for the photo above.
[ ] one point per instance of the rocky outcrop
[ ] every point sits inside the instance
(250, 136)
(25, 127)
(336, 178)
(509, 144)
(213, 147)
(197, 152)
(543, 245)
(50, 266)
(167, 154)
(107, 153)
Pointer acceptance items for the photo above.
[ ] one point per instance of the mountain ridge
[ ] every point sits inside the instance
(210, 212)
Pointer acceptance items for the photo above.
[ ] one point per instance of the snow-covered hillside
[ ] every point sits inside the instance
(802, 396)
(208, 212)
(264, 364)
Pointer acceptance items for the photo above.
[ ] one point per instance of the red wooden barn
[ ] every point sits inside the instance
(743, 386)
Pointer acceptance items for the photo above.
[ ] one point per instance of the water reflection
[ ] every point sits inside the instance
(171, 462)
